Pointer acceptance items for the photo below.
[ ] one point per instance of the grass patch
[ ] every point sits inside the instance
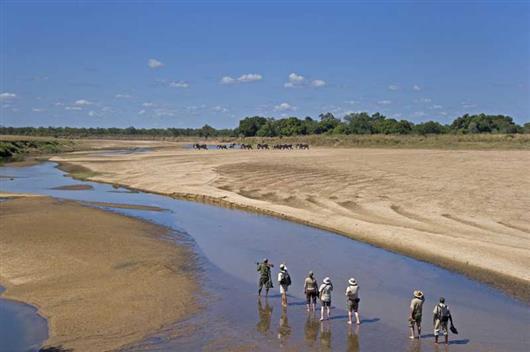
(76, 171)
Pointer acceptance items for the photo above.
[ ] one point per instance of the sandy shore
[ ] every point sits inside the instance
(466, 210)
(103, 280)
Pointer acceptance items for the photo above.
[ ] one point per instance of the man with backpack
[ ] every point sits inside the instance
(352, 295)
(325, 297)
(265, 279)
(441, 316)
(284, 279)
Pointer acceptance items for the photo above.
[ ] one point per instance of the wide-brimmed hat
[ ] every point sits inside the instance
(352, 282)
(327, 280)
(418, 294)
(283, 267)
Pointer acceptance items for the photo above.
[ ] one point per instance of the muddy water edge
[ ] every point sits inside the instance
(229, 242)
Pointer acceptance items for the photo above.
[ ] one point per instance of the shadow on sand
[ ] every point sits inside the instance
(55, 349)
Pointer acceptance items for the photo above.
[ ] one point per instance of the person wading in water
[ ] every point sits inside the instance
(325, 297)
(416, 308)
(284, 279)
(265, 279)
(352, 294)
(440, 317)
(311, 291)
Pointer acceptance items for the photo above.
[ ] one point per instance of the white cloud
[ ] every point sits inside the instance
(141, 112)
(295, 80)
(285, 107)
(351, 102)
(384, 102)
(393, 87)
(73, 108)
(436, 107)
(318, 83)
(38, 110)
(92, 113)
(250, 77)
(82, 102)
(416, 87)
(425, 100)
(154, 63)
(59, 104)
(7, 96)
(419, 114)
(179, 84)
(468, 105)
(147, 105)
(227, 80)
(219, 108)
(246, 78)
(122, 96)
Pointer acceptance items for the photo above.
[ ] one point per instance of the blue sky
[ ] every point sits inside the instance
(184, 64)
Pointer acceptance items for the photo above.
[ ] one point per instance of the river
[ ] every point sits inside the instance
(228, 244)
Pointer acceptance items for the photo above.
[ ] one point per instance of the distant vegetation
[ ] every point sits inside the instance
(327, 124)
(16, 150)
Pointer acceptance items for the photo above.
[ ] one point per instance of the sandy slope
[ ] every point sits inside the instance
(466, 210)
(103, 280)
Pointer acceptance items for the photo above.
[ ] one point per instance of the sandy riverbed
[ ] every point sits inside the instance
(103, 280)
(465, 210)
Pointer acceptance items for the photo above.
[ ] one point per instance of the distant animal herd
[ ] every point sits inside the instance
(259, 146)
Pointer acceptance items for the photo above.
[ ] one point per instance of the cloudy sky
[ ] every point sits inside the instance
(184, 64)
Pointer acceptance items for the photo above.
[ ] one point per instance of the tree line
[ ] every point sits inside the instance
(326, 124)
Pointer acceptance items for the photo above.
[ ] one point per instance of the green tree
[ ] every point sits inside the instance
(249, 126)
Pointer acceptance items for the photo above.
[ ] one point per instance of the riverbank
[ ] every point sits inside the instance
(101, 279)
(464, 210)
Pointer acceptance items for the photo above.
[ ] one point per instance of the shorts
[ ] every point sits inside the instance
(311, 297)
(283, 288)
(353, 305)
(416, 321)
(264, 281)
(440, 327)
(326, 303)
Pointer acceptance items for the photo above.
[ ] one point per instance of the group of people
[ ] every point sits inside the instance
(441, 314)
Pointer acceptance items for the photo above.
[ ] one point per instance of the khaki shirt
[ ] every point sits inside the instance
(416, 307)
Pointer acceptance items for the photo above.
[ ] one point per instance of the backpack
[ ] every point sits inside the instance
(286, 279)
(443, 313)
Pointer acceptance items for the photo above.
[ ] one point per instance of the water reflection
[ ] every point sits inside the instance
(325, 336)
(284, 331)
(311, 327)
(264, 313)
(352, 339)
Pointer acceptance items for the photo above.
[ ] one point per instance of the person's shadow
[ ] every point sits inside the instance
(264, 314)
(459, 342)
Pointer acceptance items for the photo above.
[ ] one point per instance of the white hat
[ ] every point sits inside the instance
(352, 282)
(283, 267)
(327, 280)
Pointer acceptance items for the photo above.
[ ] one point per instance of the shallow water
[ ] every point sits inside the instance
(229, 242)
(21, 328)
